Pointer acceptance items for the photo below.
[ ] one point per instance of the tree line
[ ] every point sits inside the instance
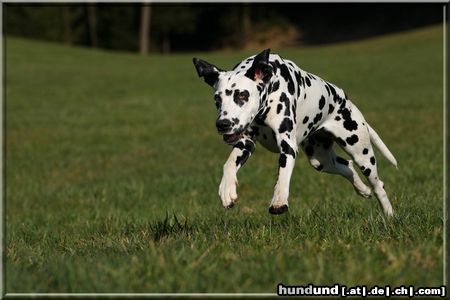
(141, 27)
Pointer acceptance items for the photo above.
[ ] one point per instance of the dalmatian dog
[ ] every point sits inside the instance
(269, 99)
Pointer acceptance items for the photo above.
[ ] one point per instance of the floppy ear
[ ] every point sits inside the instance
(209, 72)
(260, 69)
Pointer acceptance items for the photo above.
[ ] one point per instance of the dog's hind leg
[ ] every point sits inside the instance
(321, 156)
(353, 136)
(367, 164)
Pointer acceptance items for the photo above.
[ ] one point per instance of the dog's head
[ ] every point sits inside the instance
(237, 93)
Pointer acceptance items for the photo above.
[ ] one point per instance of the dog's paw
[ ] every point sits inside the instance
(278, 210)
(364, 191)
(388, 211)
(227, 191)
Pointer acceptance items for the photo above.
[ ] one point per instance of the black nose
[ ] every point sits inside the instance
(223, 125)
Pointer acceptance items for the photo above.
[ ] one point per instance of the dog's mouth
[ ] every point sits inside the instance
(232, 138)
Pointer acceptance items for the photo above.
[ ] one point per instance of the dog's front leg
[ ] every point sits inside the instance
(238, 156)
(288, 153)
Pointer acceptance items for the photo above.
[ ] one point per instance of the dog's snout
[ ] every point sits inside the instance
(223, 125)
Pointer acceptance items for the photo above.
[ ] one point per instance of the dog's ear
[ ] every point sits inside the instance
(261, 69)
(209, 72)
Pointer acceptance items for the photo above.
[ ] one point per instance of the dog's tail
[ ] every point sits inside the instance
(374, 138)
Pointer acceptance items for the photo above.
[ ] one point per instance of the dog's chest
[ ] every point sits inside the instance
(266, 137)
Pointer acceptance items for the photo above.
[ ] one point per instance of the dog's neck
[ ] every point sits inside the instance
(264, 98)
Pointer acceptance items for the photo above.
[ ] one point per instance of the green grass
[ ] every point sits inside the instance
(113, 165)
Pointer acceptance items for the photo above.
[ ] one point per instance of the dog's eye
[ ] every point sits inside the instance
(243, 96)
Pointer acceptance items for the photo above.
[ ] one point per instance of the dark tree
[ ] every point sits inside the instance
(92, 24)
(145, 28)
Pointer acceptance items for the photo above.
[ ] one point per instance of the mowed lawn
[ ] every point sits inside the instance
(113, 165)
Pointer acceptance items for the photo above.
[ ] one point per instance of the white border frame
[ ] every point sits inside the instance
(201, 295)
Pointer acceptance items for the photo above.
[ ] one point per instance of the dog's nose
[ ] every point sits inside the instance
(223, 125)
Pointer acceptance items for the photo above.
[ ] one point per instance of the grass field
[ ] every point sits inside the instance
(113, 165)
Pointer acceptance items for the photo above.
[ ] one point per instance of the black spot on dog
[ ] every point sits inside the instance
(235, 120)
(218, 101)
(372, 160)
(305, 133)
(275, 87)
(233, 85)
(319, 168)
(242, 67)
(310, 125)
(365, 151)
(332, 90)
(345, 113)
(225, 113)
(259, 88)
(298, 77)
(279, 108)
(240, 160)
(264, 97)
(282, 160)
(366, 172)
(321, 102)
(330, 108)
(304, 96)
(284, 99)
(291, 87)
(305, 120)
(309, 150)
(341, 160)
(275, 65)
(239, 145)
(328, 89)
(248, 145)
(284, 72)
(352, 139)
(285, 148)
(337, 118)
(341, 142)
(317, 118)
(308, 82)
(228, 92)
(350, 125)
(286, 125)
(237, 97)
